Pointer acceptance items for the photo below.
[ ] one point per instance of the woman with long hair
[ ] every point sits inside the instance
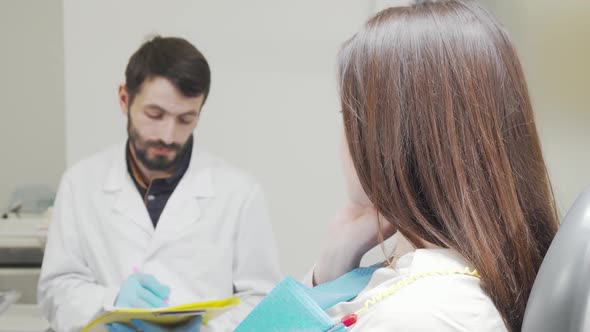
(440, 149)
(440, 146)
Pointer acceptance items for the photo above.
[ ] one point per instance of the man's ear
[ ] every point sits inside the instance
(124, 99)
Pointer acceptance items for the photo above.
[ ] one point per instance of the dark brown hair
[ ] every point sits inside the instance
(441, 132)
(174, 59)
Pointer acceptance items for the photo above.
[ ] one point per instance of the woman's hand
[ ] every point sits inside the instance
(351, 234)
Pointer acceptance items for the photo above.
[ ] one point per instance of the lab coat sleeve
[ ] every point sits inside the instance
(255, 268)
(67, 292)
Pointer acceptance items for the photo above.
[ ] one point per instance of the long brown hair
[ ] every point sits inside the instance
(441, 132)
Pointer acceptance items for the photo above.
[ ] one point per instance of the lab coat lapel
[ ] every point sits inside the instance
(183, 208)
(129, 204)
(127, 201)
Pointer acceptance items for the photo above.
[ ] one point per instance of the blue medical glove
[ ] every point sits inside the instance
(193, 325)
(142, 291)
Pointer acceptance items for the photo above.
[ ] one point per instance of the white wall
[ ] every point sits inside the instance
(32, 95)
(273, 107)
(556, 55)
(552, 38)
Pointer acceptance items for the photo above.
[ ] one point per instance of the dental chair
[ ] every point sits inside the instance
(559, 300)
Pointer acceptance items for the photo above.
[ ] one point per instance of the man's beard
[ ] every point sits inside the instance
(159, 162)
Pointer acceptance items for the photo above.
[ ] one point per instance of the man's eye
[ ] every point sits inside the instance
(186, 119)
(154, 115)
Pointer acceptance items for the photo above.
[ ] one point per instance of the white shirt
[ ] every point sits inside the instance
(435, 303)
(213, 240)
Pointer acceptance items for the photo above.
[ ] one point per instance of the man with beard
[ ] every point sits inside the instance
(156, 220)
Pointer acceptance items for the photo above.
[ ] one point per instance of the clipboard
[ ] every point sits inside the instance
(163, 316)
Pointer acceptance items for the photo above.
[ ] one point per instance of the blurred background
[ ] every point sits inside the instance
(273, 108)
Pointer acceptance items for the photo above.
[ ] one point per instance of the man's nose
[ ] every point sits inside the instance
(167, 131)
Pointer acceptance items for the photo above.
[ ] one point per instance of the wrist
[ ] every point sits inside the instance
(336, 261)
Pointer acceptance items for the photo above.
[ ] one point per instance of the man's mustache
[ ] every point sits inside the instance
(161, 144)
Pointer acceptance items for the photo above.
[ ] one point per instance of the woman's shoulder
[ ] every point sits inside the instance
(424, 301)
(437, 303)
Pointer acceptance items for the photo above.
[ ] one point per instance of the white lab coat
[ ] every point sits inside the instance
(450, 303)
(213, 240)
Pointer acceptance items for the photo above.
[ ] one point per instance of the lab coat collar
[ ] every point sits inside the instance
(196, 183)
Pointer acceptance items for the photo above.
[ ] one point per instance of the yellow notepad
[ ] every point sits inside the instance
(164, 316)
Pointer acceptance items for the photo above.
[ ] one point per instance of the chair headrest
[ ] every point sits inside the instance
(561, 290)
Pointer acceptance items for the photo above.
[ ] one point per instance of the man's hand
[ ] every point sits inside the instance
(142, 291)
(193, 325)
